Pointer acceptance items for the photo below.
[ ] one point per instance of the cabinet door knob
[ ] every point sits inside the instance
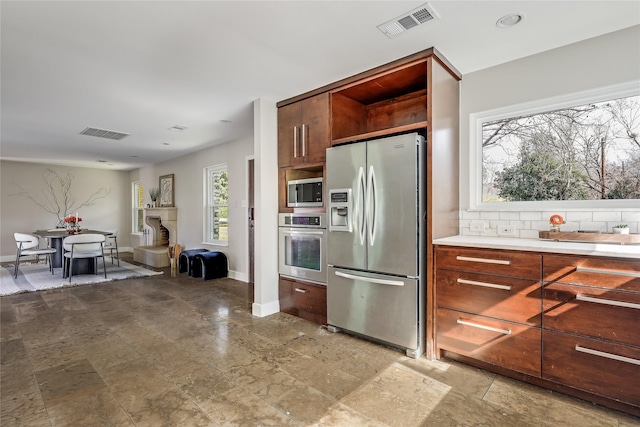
(304, 141)
(302, 291)
(605, 271)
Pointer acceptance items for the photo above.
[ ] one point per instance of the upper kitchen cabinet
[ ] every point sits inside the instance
(303, 131)
(393, 101)
(394, 98)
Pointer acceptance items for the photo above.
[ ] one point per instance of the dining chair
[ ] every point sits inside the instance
(83, 246)
(29, 245)
(111, 243)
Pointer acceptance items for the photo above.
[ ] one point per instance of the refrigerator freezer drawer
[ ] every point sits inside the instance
(374, 305)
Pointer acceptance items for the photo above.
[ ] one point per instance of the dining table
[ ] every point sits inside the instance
(55, 238)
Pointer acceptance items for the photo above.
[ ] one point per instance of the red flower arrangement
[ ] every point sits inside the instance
(72, 219)
(556, 220)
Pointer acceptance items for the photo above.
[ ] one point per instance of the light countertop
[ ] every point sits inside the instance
(536, 245)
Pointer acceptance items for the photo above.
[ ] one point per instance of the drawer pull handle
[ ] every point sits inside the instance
(485, 260)
(484, 284)
(607, 355)
(302, 291)
(605, 271)
(486, 328)
(608, 302)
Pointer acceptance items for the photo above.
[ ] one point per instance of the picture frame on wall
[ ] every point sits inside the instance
(166, 186)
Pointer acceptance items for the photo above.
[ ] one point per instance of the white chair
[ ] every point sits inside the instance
(83, 246)
(111, 244)
(29, 245)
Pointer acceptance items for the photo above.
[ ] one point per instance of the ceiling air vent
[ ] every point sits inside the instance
(408, 21)
(103, 133)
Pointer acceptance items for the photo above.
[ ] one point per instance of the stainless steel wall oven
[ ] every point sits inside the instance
(302, 246)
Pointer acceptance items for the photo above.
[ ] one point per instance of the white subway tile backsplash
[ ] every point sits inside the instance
(607, 216)
(510, 215)
(531, 216)
(630, 217)
(470, 215)
(528, 234)
(487, 215)
(528, 223)
(579, 216)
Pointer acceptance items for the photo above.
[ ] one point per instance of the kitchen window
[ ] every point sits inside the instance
(571, 152)
(138, 208)
(216, 205)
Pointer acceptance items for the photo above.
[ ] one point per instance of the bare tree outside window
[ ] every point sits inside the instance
(586, 152)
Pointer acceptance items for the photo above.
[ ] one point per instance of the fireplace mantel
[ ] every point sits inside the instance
(169, 219)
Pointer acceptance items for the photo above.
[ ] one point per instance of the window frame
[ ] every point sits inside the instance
(206, 232)
(137, 187)
(475, 161)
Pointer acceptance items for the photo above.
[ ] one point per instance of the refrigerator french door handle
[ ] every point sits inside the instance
(370, 279)
(359, 218)
(372, 205)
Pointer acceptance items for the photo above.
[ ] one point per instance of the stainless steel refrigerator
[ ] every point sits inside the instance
(375, 243)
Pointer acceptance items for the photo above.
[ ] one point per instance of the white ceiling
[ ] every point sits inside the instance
(143, 67)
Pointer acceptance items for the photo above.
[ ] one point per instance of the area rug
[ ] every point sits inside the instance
(37, 277)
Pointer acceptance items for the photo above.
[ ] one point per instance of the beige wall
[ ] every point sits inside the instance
(19, 214)
(604, 61)
(188, 179)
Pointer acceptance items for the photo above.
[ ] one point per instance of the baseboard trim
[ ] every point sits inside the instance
(264, 310)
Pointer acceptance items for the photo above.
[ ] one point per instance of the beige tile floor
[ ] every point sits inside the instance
(168, 351)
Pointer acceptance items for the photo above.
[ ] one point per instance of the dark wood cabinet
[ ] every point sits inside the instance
(506, 344)
(303, 131)
(488, 307)
(303, 299)
(600, 367)
(393, 101)
(567, 322)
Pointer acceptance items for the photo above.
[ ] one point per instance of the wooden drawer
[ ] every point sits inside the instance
(516, 300)
(595, 312)
(489, 261)
(505, 344)
(612, 273)
(570, 360)
(303, 299)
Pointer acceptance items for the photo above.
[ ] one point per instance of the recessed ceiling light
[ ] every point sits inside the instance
(134, 157)
(101, 161)
(509, 20)
(226, 122)
(178, 128)
(165, 143)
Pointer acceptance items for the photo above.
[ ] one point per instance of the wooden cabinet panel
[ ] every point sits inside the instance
(517, 300)
(595, 312)
(303, 131)
(505, 344)
(506, 263)
(289, 118)
(599, 367)
(303, 299)
(315, 132)
(393, 101)
(593, 271)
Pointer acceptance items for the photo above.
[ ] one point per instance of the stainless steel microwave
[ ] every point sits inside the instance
(305, 193)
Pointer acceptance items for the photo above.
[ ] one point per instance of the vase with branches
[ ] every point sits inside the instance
(153, 194)
(56, 196)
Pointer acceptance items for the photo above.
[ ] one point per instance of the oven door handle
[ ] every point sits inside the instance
(298, 233)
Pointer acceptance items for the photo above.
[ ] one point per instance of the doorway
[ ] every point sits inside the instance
(251, 218)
